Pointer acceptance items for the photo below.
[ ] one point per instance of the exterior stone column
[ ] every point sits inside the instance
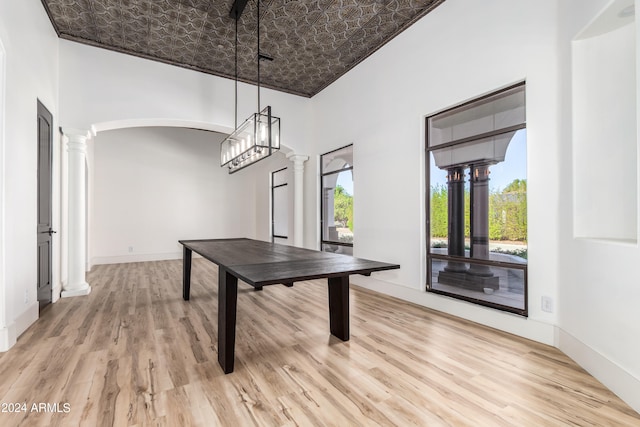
(298, 197)
(76, 283)
(454, 272)
(455, 184)
(480, 226)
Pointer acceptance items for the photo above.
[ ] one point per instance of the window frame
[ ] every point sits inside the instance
(429, 254)
(273, 205)
(322, 175)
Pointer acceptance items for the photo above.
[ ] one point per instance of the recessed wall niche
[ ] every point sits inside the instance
(605, 148)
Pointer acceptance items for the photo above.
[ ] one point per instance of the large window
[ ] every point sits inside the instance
(336, 200)
(279, 206)
(477, 204)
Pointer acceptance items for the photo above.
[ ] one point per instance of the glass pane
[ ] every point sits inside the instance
(337, 160)
(499, 201)
(279, 177)
(280, 211)
(499, 111)
(497, 285)
(508, 202)
(449, 193)
(338, 249)
(337, 207)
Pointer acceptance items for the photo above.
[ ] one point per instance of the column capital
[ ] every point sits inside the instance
(480, 172)
(297, 159)
(76, 134)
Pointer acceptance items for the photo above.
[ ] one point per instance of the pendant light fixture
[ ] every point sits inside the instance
(259, 136)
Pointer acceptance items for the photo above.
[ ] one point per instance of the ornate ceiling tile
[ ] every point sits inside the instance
(312, 43)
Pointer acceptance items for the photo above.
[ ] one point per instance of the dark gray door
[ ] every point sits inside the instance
(45, 158)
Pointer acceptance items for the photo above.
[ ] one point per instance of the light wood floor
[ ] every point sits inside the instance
(134, 353)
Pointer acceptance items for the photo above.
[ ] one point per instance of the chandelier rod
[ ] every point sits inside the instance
(236, 60)
(258, 19)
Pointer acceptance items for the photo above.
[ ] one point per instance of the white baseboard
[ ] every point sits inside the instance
(27, 318)
(10, 334)
(85, 289)
(7, 337)
(55, 293)
(123, 259)
(614, 377)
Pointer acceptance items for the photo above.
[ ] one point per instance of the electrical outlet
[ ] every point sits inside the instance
(546, 304)
(26, 296)
(130, 248)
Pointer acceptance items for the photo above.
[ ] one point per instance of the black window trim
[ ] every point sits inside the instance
(322, 175)
(429, 255)
(273, 206)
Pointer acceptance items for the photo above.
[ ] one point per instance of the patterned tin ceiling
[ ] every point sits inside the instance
(312, 42)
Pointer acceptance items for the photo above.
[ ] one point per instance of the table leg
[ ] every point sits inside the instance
(339, 306)
(186, 273)
(227, 307)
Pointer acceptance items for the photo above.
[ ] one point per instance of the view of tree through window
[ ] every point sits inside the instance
(337, 201)
(477, 203)
(507, 208)
(343, 210)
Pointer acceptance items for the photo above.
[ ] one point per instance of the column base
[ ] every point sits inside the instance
(83, 289)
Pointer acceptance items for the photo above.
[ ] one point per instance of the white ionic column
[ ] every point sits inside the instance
(76, 283)
(298, 197)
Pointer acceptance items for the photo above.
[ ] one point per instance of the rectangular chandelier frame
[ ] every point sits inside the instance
(255, 139)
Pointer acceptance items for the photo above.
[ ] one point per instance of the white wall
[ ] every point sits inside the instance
(103, 90)
(4, 332)
(604, 135)
(260, 174)
(461, 50)
(598, 317)
(31, 47)
(98, 86)
(154, 186)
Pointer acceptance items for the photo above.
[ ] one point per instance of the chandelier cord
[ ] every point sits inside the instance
(236, 63)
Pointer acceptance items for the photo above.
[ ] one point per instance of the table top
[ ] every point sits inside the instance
(261, 263)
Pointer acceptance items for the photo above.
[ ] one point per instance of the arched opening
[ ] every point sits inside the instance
(151, 182)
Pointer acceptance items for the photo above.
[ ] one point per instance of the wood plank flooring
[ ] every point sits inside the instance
(133, 353)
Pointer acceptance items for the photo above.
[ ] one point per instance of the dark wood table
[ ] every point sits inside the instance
(260, 264)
